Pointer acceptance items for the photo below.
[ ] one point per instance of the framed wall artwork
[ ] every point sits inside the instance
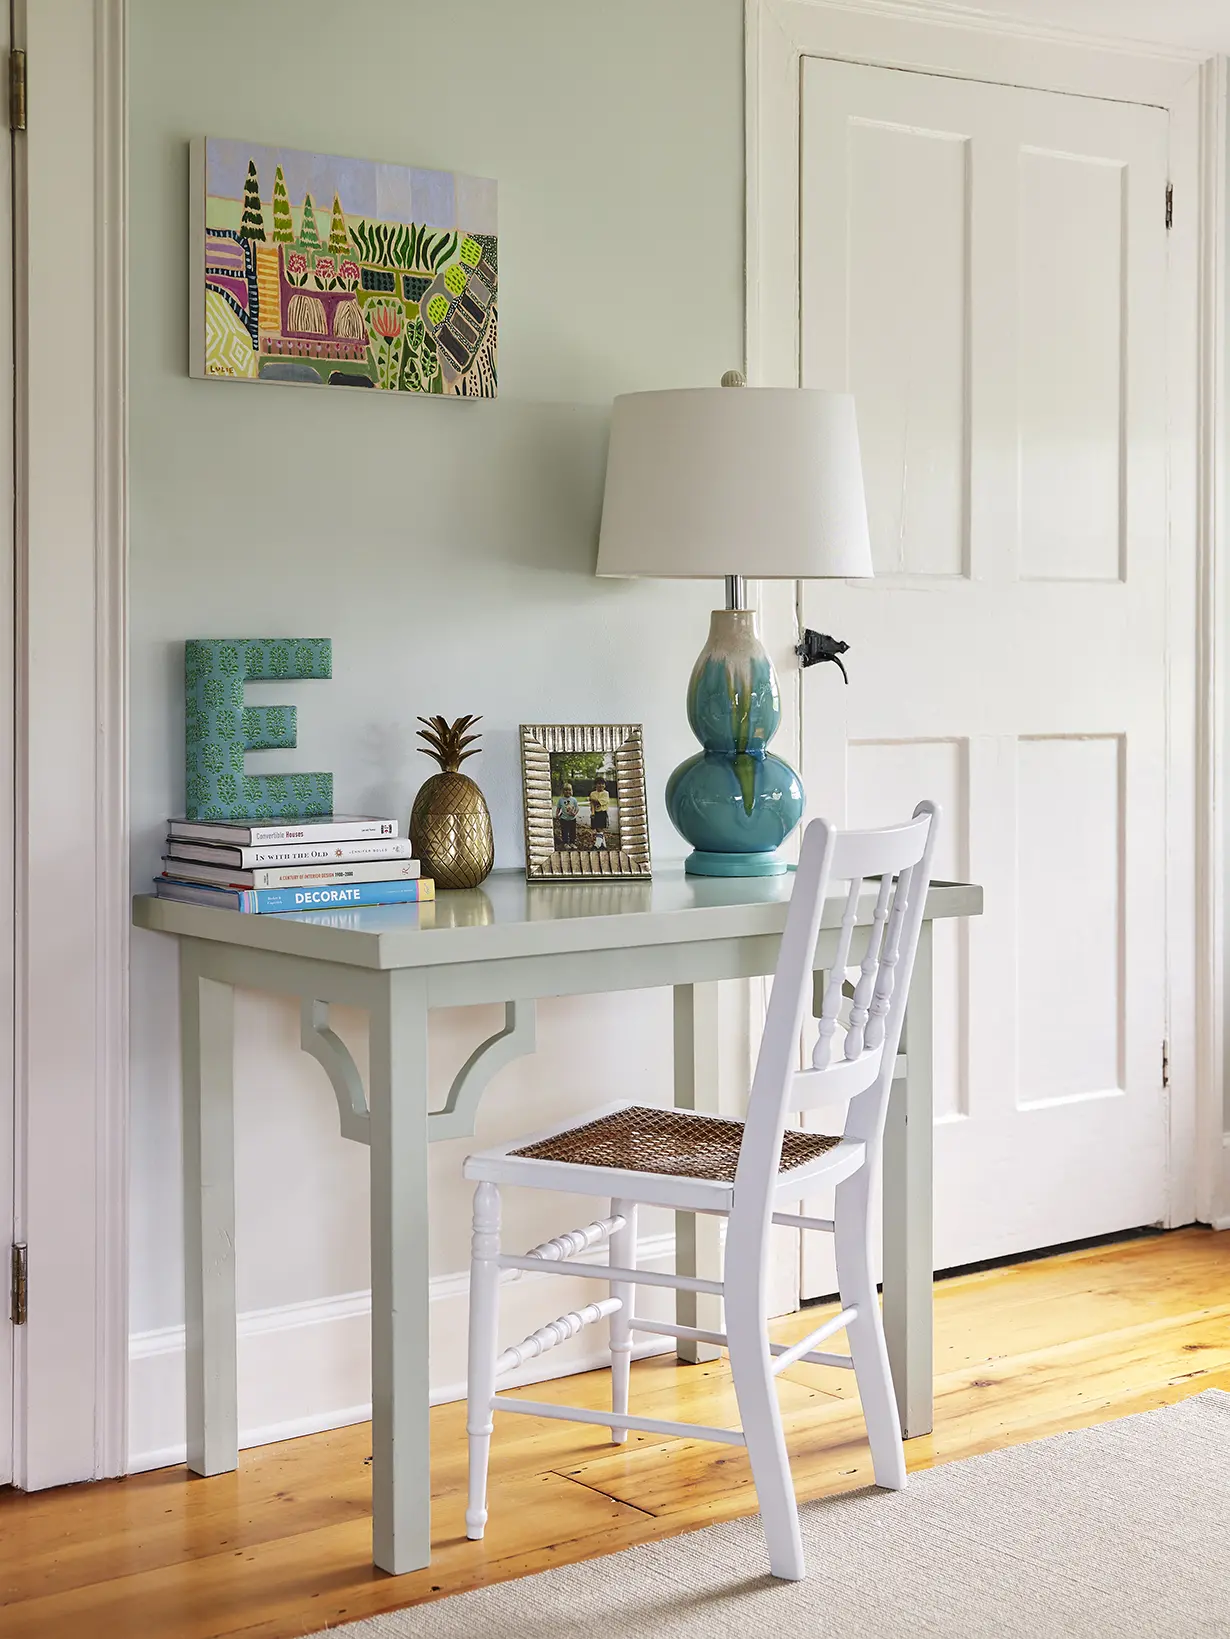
(316, 270)
(584, 792)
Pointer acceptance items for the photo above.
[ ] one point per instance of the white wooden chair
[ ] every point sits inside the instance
(701, 1163)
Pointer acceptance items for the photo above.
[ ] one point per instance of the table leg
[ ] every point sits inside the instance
(698, 1246)
(908, 1241)
(401, 1478)
(207, 1015)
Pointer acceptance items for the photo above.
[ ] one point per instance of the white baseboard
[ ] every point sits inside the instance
(1218, 1208)
(306, 1367)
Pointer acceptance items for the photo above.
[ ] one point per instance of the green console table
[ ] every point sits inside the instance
(509, 941)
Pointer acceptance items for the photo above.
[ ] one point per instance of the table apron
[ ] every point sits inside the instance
(284, 975)
(599, 972)
(462, 984)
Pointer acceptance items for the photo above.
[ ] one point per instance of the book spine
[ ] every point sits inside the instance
(326, 856)
(353, 831)
(298, 876)
(340, 853)
(272, 901)
(239, 835)
(290, 876)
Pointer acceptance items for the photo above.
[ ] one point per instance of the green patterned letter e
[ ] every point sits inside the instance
(219, 728)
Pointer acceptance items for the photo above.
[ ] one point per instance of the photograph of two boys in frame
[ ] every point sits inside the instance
(584, 801)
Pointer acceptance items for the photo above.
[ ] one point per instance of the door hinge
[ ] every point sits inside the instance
(1170, 204)
(1165, 1064)
(17, 90)
(18, 1289)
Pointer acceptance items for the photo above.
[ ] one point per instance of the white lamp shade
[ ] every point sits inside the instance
(764, 482)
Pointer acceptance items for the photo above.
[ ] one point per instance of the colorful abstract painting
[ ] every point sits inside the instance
(322, 271)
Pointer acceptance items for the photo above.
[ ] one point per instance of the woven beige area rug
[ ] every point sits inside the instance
(1115, 1532)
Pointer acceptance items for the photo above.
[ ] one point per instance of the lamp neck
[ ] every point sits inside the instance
(736, 592)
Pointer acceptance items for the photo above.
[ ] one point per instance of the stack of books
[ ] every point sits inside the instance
(267, 866)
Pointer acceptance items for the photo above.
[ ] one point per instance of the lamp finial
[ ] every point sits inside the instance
(734, 378)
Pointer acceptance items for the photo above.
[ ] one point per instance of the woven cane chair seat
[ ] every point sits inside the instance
(672, 1142)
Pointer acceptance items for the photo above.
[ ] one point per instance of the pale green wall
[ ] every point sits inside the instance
(446, 547)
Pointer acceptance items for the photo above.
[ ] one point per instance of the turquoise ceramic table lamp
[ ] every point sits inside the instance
(736, 483)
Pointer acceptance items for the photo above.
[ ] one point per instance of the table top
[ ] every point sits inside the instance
(509, 917)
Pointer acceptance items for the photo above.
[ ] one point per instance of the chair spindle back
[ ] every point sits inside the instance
(894, 865)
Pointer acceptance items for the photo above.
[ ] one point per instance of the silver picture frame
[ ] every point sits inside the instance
(589, 838)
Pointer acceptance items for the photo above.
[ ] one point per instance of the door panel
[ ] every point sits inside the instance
(984, 268)
(1071, 266)
(1073, 982)
(906, 342)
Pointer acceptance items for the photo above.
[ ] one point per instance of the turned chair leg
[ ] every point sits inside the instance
(856, 1281)
(484, 1319)
(750, 1366)
(623, 1255)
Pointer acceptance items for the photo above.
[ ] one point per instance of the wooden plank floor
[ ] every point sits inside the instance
(282, 1547)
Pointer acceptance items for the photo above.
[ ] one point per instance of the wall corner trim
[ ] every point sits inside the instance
(71, 854)
(111, 785)
(1212, 1139)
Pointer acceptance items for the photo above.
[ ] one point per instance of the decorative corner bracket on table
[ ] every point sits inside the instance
(456, 1118)
(511, 943)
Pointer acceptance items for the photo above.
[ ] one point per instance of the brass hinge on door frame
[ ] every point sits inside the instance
(17, 90)
(1170, 204)
(18, 1286)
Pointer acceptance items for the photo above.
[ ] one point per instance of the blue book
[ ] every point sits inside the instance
(271, 901)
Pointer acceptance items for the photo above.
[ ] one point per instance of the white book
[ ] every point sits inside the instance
(246, 834)
(292, 876)
(290, 853)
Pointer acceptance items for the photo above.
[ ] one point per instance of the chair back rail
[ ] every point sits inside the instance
(853, 1066)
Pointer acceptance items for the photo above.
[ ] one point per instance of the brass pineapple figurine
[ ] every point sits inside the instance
(450, 826)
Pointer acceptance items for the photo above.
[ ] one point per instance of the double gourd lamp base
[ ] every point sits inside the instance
(716, 483)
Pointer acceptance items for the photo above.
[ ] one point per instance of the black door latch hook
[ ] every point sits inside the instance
(817, 647)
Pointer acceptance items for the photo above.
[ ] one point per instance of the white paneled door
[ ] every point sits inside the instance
(984, 267)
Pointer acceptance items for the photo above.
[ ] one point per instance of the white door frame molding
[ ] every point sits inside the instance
(1193, 87)
(1211, 1129)
(71, 807)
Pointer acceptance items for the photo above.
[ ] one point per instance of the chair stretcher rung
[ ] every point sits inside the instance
(555, 1332)
(792, 1220)
(812, 1358)
(606, 1271)
(577, 1240)
(666, 1328)
(788, 1354)
(617, 1419)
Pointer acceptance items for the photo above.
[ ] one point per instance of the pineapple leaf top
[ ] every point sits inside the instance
(447, 742)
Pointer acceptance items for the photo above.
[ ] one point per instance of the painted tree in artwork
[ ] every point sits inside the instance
(252, 223)
(308, 235)
(283, 227)
(339, 239)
